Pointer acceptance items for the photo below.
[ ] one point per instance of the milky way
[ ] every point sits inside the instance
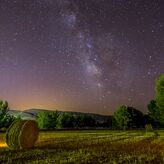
(80, 55)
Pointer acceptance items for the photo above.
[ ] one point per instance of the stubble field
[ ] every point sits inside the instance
(89, 146)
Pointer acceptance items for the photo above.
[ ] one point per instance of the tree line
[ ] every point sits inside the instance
(125, 117)
(50, 120)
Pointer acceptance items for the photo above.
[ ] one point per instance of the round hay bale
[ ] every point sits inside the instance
(22, 134)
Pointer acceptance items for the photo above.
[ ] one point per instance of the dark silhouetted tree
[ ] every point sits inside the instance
(83, 121)
(153, 113)
(66, 120)
(5, 118)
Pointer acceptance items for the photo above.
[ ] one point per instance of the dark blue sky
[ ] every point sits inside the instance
(80, 55)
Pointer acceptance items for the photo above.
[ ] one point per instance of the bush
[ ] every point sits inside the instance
(149, 128)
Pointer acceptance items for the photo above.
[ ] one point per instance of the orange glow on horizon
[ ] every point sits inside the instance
(3, 145)
(34, 105)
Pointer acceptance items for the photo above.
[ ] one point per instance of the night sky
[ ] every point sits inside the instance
(80, 55)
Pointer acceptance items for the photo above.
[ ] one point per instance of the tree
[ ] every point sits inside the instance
(66, 120)
(47, 120)
(5, 118)
(153, 110)
(121, 117)
(104, 124)
(85, 121)
(153, 113)
(136, 118)
(127, 117)
(89, 121)
(160, 97)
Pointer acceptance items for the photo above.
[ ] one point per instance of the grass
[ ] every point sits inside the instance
(90, 146)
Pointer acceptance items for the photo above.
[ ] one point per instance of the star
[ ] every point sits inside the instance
(86, 55)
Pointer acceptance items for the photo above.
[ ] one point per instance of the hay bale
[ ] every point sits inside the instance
(22, 134)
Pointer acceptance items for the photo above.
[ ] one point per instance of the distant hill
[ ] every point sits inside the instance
(32, 114)
(22, 114)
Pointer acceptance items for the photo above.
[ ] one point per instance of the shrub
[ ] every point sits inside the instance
(149, 128)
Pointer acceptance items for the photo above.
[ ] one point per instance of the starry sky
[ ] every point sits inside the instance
(80, 55)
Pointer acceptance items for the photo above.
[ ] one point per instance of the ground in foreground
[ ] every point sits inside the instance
(90, 146)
